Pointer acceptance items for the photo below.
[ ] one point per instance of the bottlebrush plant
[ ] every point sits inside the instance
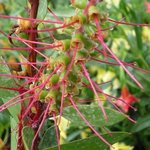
(48, 77)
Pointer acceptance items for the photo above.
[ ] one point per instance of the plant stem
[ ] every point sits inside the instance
(32, 37)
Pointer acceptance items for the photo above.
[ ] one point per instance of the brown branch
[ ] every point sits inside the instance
(30, 70)
(32, 37)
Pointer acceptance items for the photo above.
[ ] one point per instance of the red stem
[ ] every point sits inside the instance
(100, 39)
(89, 125)
(36, 95)
(71, 64)
(31, 19)
(27, 48)
(100, 91)
(57, 131)
(94, 90)
(117, 108)
(33, 146)
(126, 23)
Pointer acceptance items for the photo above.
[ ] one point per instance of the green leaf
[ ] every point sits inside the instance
(61, 12)
(141, 124)
(92, 143)
(4, 121)
(27, 136)
(14, 135)
(42, 9)
(8, 82)
(93, 114)
(49, 138)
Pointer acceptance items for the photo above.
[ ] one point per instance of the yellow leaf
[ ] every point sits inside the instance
(121, 146)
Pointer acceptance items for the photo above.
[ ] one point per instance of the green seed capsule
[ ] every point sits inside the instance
(93, 12)
(53, 108)
(54, 79)
(88, 43)
(77, 41)
(90, 29)
(72, 89)
(73, 77)
(52, 95)
(80, 19)
(65, 44)
(43, 94)
(82, 55)
(51, 63)
(62, 60)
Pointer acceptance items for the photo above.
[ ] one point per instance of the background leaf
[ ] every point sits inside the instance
(14, 135)
(141, 124)
(42, 9)
(91, 143)
(27, 136)
(93, 114)
(49, 138)
(8, 94)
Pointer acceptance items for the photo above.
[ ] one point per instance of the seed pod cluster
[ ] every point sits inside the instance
(77, 47)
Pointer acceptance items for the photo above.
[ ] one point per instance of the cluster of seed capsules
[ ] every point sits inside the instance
(64, 74)
(61, 81)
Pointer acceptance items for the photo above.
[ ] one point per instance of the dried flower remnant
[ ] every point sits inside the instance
(127, 97)
(147, 5)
